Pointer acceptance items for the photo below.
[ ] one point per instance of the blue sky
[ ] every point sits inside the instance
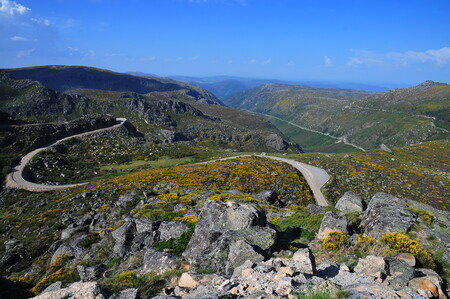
(362, 41)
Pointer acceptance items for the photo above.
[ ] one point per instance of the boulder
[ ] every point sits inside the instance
(170, 230)
(91, 273)
(381, 197)
(53, 287)
(126, 294)
(86, 290)
(399, 273)
(331, 221)
(124, 236)
(406, 257)
(276, 142)
(427, 287)
(239, 252)
(267, 197)
(159, 262)
(383, 217)
(350, 202)
(315, 209)
(63, 249)
(303, 261)
(371, 266)
(222, 224)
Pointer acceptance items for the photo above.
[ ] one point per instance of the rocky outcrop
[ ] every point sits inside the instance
(386, 213)
(219, 227)
(332, 221)
(276, 142)
(87, 290)
(350, 202)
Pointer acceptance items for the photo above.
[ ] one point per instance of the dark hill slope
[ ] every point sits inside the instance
(395, 118)
(66, 78)
(168, 116)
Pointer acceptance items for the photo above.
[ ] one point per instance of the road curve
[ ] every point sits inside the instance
(315, 176)
(16, 180)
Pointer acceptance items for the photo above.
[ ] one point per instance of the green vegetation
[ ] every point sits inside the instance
(395, 118)
(321, 293)
(416, 172)
(300, 221)
(176, 245)
(426, 216)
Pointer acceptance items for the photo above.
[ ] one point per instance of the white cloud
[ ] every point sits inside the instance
(439, 56)
(39, 21)
(11, 8)
(267, 61)
(328, 61)
(253, 61)
(291, 63)
(24, 53)
(19, 38)
(90, 53)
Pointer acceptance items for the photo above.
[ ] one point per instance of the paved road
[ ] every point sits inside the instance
(16, 180)
(316, 177)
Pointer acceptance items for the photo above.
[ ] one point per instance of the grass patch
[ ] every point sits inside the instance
(299, 221)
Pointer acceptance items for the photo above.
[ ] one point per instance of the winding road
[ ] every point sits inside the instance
(316, 177)
(16, 180)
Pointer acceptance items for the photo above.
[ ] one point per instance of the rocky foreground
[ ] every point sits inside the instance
(234, 252)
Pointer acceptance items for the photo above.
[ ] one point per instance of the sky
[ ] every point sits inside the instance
(368, 41)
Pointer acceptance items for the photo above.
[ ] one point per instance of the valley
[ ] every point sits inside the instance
(153, 187)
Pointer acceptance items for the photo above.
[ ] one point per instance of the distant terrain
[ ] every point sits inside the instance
(394, 118)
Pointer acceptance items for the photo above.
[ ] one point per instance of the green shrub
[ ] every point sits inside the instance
(89, 240)
(176, 245)
(426, 216)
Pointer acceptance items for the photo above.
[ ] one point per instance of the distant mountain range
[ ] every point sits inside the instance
(226, 86)
(395, 118)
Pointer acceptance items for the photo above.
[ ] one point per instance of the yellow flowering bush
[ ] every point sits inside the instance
(187, 218)
(403, 243)
(336, 239)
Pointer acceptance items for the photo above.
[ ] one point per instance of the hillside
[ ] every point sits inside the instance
(395, 118)
(66, 78)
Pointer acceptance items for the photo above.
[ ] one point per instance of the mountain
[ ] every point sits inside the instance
(66, 78)
(162, 116)
(227, 86)
(394, 118)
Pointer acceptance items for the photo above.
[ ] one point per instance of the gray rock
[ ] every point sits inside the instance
(88, 290)
(427, 286)
(399, 273)
(159, 262)
(383, 217)
(170, 230)
(276, 142)
(91, 273)
(239, 252)
(14, 252)
(267, 197)
(381, 197)
(315, 209)
(124, 236)
(332, 221)
(63, 249)
(53, 287)
(422, 272)
(350, 202)
(303, 261)
(144, 225)
(126, 294)
(371, 266)
(221, 224)
(384, 147)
